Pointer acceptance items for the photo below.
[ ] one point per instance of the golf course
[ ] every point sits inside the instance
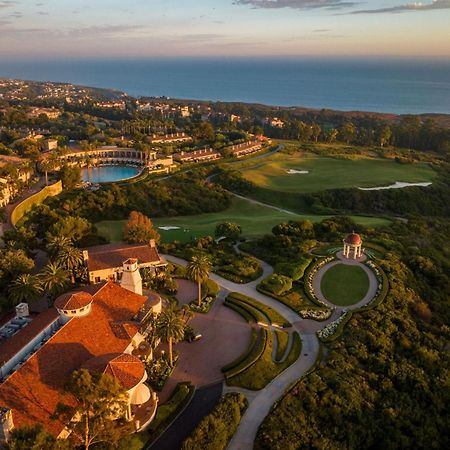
(254, 219)
(306, 173)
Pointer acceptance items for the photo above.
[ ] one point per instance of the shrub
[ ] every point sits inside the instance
(277, 284)
(294, 270)
(216, 429)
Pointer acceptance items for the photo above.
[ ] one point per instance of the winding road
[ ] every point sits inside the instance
(260, 402)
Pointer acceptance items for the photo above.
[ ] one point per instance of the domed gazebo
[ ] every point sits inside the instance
(353, 246)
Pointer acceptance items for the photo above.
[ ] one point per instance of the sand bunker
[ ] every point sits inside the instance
(295, 171)
(396, 185)
(168, 228)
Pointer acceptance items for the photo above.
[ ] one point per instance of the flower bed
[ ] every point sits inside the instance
(309, 277)
(315, 314)
(334, 329)
(204, 306)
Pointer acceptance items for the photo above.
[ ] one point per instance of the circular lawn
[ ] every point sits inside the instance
(344, 285)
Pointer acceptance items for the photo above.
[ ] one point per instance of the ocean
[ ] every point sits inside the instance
(399, 86)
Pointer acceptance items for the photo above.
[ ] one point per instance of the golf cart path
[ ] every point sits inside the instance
(260, 402)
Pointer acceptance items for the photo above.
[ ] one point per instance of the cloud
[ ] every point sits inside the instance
(408, 7)
(296, 4)
(7, 4)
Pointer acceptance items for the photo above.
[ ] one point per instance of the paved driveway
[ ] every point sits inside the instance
(225, 336)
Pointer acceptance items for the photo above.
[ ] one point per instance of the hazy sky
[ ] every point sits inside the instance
(139, 28)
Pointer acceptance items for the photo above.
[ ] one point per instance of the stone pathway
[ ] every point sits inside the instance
(260, 402)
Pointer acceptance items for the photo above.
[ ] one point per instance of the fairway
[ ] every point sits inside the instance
(310, 173)
(344, 285)
(255, 220)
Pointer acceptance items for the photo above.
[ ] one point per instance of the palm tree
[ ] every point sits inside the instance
(56, 244)
(70, 258)
(54, 279)
(25, 288)
(187, 313)
(197, 270)
(170, 328)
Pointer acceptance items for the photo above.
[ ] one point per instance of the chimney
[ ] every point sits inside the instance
(22, 310)
(152, 243)
(6, 424)
(85, 256)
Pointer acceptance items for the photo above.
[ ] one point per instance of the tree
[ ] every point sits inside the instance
(70, 258)
(54, 279)
(332, 135)
(57, 243)
(384, 135)
(170, 328)
(315, 132)
(347, 132)
(35, 438)
(70, 176)
(229, 230)
(139, 229)
(100, 409)
(204, 132)
(197, 270)
(25, 288)
(14, 263)
(71, 227)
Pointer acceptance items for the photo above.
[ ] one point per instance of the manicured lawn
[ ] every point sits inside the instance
(329, 173)
(344, 285)
(254, 219)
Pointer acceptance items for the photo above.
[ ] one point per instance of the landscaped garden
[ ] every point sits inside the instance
(344, 285)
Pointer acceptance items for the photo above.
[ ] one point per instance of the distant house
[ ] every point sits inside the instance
(105, 262)
(49, 145)
(100, 328)
(169, 138)
(51, 113)
(246, 148)
(207, 154)
(274, 122)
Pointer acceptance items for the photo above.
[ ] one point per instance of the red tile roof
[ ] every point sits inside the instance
(73, 300)
(127, 369)
(113, 255)
(34, 390)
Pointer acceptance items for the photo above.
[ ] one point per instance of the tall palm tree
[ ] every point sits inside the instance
(197, 270)
(170, 328)
(25, 288)
(70, 258)
(54, 279)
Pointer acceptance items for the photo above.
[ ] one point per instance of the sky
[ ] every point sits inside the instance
(222, 28)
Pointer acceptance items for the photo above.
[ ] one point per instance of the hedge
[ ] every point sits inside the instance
(215, 430)
(25, 206)
(244, 355)
(257, 315)
(245, 313)
(274, 316)
(257, 351)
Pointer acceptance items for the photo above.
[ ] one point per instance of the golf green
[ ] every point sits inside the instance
(344, 285)
(309, 173)
(255, 220)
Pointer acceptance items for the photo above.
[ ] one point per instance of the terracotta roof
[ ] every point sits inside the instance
(127, 369)
(34, 390)
(113, 255)
(73, 300)
(353, 239)
(15, 343)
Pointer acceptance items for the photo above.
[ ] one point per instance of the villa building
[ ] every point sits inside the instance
(244, 149)
(105, 262)
(51, 113)
(207, 154)
(98, 328)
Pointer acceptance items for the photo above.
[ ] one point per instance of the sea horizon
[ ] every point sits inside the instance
(400, 85)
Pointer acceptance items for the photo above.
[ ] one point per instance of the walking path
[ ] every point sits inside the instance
(260, 402)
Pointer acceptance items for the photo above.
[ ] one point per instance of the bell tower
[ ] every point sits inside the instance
(131, 277)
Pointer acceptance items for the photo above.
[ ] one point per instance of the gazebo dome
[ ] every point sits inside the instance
(353, 239)
(74, 304)
(128, 370)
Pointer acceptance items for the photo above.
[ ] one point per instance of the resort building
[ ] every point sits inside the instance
(246, 148)
(207, 154)
(51, 113)
(110, 154)
(170, 138)
(106, 262)
(98, 328)
(353, 246)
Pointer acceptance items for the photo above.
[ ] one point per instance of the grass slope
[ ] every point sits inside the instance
(255, 220)
(344, 285)
(331, 173)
